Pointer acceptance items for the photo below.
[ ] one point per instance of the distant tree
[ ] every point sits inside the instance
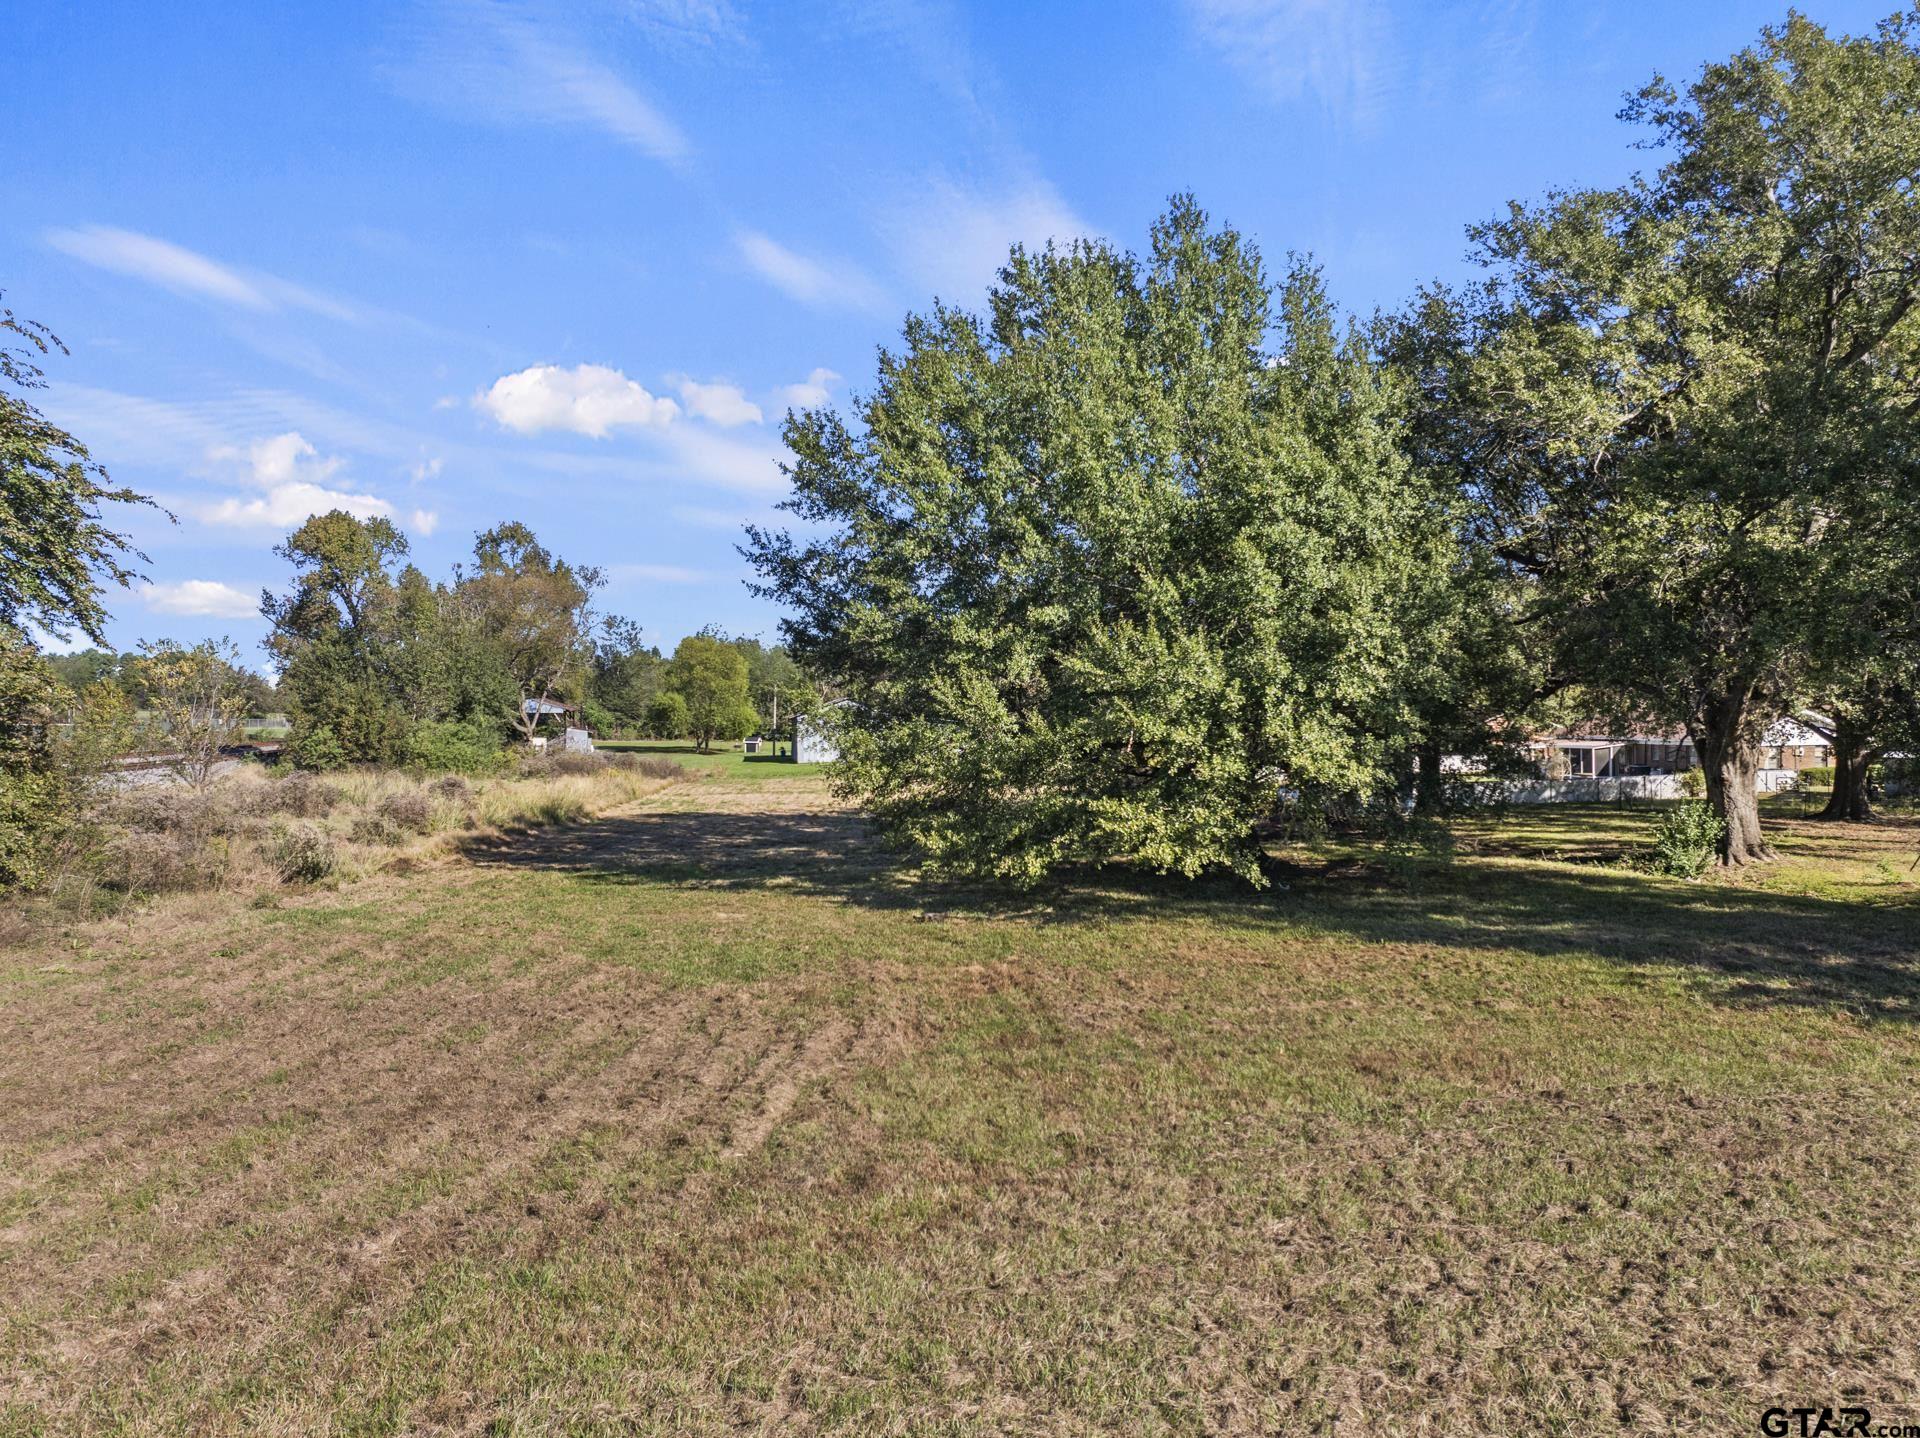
(56, 552)
(667, 717)
(340, 638)
(777, 685)
(1105, 569)
(89, 666)
(1695, 391)
(535, 608)
(199, 698)
(710, 677)
(627, 672)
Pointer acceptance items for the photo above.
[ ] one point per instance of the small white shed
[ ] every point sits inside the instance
(814, 740)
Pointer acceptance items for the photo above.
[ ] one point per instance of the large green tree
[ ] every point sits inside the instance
(345, 636)
(1686, 386)
(1104, 569)
(710, 676)
(534, 608)
(56, 551)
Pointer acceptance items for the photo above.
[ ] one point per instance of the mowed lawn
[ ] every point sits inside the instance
(705, 1117)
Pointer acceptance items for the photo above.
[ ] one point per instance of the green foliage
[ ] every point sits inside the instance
(667, 717)
(1693, 783)
(344, 636)
(1685, 404)
(533, 608)
(626, 676)
(1818, 776)
(35, 797)
(56, 553)
(454, 746)
(1686, 839)
(318, 749)
(198, 703)
(710, 677)
(1101, 569)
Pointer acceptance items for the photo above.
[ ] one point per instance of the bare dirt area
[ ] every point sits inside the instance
(704, 1116)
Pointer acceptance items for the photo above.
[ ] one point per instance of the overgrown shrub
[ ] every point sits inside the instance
(377, 829)
(553, 763)
(408, 810)
(302, 853)
(1686, 840)
(318, 749)
(1818, 777)
(301, 795)
(452, 788)
(454, 746)
(1693, 783)
(157, 861)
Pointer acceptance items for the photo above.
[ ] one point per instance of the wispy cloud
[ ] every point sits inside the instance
(207, 598)
(951, 238)
(719, 403)
(812, 392)
(187, 272)
(288, 505)
(812, 282)
(660, 573)
(1338, 52)
(504, 63)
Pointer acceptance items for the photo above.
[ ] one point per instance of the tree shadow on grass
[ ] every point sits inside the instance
(1760, 947)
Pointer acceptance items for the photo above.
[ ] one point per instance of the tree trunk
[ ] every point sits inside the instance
(1430, 797)
(1730, 757)
(1851, 799)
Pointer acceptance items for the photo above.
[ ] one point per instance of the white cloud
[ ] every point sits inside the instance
(288, 505)
(497, 61)
(205, 597)
(423, 522)
(282, 459)
(1339, 51)
(296, 479)
(812, 392)
(588, 399)
(952, 239)
(812, 282)
(186, 272)
(722, 404)
(426, 469)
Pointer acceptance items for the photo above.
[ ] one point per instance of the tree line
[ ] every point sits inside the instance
(380, 664)
(1158, 549)
(1155, 539)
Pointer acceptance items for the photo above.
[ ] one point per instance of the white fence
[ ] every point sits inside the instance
(1595, 791)
(1639, 786)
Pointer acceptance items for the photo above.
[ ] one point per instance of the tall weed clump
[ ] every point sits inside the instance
(1686, 840)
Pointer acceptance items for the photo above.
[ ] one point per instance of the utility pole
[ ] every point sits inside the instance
(776, 721)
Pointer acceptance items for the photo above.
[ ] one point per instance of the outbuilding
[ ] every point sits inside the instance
(815, 735)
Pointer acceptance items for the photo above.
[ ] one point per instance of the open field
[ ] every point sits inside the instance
(703, 1117)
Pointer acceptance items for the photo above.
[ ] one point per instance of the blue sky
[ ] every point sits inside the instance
(467, 260)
